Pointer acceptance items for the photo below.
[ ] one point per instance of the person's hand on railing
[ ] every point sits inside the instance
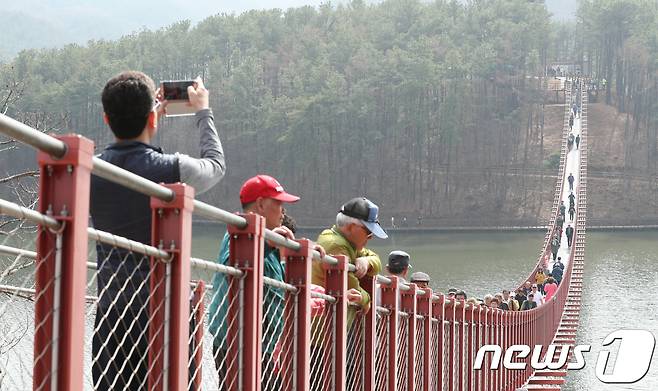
(319, 249)
(361, 265)
(283, 231)
(354, 296)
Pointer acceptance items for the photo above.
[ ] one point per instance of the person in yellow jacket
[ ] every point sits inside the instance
(540, 278)
(356, 223)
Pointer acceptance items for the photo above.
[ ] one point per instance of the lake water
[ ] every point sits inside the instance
(620, 282)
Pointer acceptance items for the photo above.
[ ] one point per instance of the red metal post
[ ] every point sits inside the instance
(246, 250)
(486, 384)
(369, 355)
(64, 191)
(470, 346)
(171, 230)
(199, 315)
(478, 344)
(336, 278)
(495, 328)
(408, 305)
(450, 318)
(390, 295)
(424, 308)
(438, 312)
(460, 312)
(506, 337)
(298, 273)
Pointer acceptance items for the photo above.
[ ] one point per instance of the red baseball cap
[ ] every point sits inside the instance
(266, 187)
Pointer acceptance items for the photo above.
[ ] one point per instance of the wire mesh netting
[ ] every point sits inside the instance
(222, 327)
(381, 350)
(322, 344)
(279, 308)
(419, 352)
(456, 363)
(123, 333)
(355, 353)
(446, 355)
(435, 351)
(403, 353)
(18, 298)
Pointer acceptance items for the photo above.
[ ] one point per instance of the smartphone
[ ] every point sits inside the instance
(175, 93)
(176, 89)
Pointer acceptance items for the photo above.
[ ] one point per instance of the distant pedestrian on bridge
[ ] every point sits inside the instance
(571, 179)
(569, 232)
(537, 296)
(563, 210)
(572, 211)
(422, 280)
(520, 296)
(557, 273)
(550, 288)
(559, 222)
(555, 246)
(512, 304)
(529, 303)
(399, 263)
(578, 141)
(119, 345)
(540, 278)
(572, 200)
(356, 223)
(262, 195)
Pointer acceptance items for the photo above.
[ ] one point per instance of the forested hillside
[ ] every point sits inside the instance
(430, 109)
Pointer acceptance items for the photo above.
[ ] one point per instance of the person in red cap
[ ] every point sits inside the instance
(262, 195)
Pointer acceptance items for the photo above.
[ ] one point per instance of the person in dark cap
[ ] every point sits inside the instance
(356, 223)
(452, 292)
(422, 280)
(398, 264)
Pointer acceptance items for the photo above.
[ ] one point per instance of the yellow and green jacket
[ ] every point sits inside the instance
(335, 243)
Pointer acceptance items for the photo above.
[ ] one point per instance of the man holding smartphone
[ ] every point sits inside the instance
(120, 348)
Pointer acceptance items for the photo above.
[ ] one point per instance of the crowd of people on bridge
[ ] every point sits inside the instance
(132, 107)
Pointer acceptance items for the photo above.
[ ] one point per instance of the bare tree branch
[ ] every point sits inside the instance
(18, 176)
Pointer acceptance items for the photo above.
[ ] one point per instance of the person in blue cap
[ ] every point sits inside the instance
(356, 223)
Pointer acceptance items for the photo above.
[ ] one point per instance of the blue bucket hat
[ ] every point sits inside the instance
(367, 211)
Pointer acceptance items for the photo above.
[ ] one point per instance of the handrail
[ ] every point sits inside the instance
(199, 263)
(127, 244)
(17, 251)
(21, 212)
(27, 135)
(110, 172)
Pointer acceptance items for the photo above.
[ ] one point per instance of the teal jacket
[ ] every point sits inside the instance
(273, 300)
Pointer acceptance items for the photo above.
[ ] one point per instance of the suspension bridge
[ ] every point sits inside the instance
(416, 339)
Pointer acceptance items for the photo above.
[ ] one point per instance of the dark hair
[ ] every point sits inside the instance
(128, 99)
(289, 222)
(396, 270)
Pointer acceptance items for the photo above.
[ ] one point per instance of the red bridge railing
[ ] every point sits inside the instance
(416, 340)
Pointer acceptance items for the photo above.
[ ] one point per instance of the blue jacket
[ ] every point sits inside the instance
(273, 300)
